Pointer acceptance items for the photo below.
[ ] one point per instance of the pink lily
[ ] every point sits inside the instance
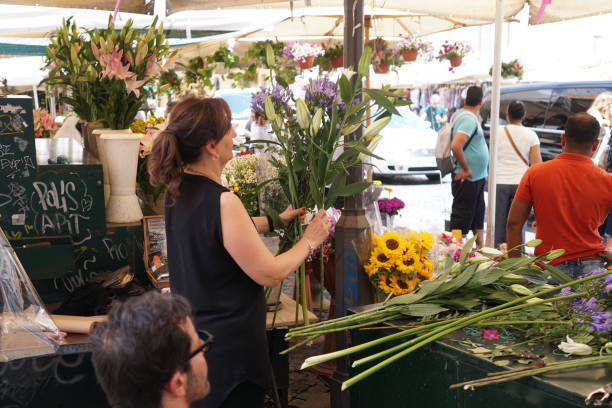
(113, 66)
(132, 85)
(153, 68)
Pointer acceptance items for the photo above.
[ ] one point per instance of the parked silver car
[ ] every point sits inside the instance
(407, 147)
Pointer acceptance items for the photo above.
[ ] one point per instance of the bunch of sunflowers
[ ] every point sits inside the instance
(398, 263)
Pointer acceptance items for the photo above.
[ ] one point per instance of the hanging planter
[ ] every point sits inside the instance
(337, 62)
(455, 60)
(410, 55)
(306, 62)
(381, 68)
(121, 150)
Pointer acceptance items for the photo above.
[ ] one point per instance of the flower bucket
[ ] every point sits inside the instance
(121, 150)
(337, 62)
(455, 61)
(410, 55)
(89, 139)
(381, 68)
(306, 62)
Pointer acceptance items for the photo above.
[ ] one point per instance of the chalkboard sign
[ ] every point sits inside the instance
(17, 150)
(57, 200)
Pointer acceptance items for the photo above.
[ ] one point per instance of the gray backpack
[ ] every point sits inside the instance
(444, 158)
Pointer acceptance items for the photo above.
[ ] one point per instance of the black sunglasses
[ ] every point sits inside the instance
(207, 341)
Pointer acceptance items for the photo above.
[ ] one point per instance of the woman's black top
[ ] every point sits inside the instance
(225, 300)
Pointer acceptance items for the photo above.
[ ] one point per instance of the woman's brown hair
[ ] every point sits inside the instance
(194, 123)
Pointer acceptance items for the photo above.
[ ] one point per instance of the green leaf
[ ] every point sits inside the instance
(382, 101)
(501, 363)
(458, 281)
(364, 62)
(269, 56)
(557, 273)
(352, 189)
(276, 219)
(375, 128)
(406, 299)
(348, 129)
(422, 309)
(485, 277)
(460, 304)
(480, 350)
(467, 248)
(281, 81)
(346, 90)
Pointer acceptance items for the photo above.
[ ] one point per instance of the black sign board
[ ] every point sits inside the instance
(17, 150)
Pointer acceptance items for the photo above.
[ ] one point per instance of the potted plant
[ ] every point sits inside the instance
(383, 56)
(510, 69)
(410, 47)
(454, 52)
(303, 53)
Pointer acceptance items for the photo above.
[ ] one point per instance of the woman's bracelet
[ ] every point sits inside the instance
(311, 248)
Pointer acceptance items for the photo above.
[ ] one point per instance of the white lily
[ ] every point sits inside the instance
(577, 349)
(484, 265)
(487, 251)
(520, 289)
(478, 259)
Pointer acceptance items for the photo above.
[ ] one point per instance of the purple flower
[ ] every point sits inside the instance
(601, 322)
(607, 288)
(280, 97)
(566, 291)
(322, 92)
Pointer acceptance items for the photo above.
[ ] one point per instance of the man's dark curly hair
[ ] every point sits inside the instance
(139, 347)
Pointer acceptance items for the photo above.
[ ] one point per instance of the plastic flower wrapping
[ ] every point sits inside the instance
(399, 261)
(298, 51)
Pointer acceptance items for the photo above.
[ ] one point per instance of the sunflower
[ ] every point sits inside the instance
(402, 286)
(409, 259)
(426, 269)
(393, 244)
(370, 269)
(385, 284)
(406, 265)
(380, 259)
(426, 241)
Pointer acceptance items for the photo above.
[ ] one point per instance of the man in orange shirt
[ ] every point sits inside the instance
(571, 198)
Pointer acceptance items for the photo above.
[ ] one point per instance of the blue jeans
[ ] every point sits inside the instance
(576, 268)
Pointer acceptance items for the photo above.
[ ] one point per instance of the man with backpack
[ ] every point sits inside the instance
(471, 156)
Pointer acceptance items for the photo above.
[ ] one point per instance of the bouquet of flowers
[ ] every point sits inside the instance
(44, 124)
(409, 42)
(456, 49)
(150, 129)
(398, 263)
(239, 175)
(390, 206)
(300, 51)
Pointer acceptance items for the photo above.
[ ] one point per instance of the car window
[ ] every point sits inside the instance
(239, 104)
(535, 100)
(408, 120)
(566, 101)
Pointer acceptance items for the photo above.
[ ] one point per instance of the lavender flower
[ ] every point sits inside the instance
(566, 291)
(257, 101)
(601, 322)
(607, 287)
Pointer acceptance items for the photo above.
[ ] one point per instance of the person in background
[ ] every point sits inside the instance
(469, 177)
(434, 113)
(517, 149)
(601, 109)
(215, 254)
(571, 198)
(147, 354)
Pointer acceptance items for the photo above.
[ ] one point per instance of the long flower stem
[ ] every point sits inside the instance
(303, 296)
(391, 350)
(321, 280)
(511, 375)
(299, 344)
(419, 342)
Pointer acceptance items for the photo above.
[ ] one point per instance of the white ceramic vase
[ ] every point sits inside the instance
(102, 157)
(121, 152)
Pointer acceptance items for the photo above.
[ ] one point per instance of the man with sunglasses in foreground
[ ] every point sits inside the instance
(147, 354)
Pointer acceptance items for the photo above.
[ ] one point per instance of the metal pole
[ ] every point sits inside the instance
(35, 96)
(352, 286)
(495, 96)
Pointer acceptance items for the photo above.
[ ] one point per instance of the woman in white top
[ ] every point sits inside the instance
(517, 149)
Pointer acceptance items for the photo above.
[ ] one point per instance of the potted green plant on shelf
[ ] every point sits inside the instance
(332, 58)
(454, 52)
(383, 56)
(255, 57)
(303, 53)
(410, 46)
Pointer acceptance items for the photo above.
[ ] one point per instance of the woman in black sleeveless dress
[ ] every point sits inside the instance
(215, 256)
